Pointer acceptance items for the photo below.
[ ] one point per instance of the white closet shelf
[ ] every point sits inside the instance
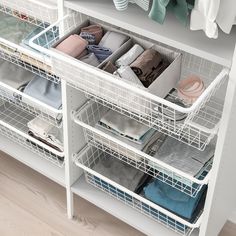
(30, 104)
(33, 11)
(32, 160)
(13, 125)
(171, 33)
(120, 210)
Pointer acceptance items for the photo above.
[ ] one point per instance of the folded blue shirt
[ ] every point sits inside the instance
(101, 53)
(172, 199)
(45, 91)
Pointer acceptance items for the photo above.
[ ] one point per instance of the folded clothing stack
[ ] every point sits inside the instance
(14, 76)
(46, 133)
(174, 200)
(121, 173)
(45, 91)
(138, 66)
(92, 46)
(180, 156)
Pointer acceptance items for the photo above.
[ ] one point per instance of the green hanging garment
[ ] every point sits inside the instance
(180, 8)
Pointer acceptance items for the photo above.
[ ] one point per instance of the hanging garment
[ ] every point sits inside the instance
(203, 17)
(226, 17)
(180, 8)
(122, 5)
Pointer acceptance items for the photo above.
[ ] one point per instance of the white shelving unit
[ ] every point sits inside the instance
(171, 33)
(216, 54)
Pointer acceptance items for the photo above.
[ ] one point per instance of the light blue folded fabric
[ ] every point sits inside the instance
(45, 40)
(100, 52)
(172, 199)
(45, 91)
(14, 29)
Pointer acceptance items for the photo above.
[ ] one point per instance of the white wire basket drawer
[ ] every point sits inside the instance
(145, 105)
(33, 11)
(13, 125)
(30, 104)
(89, 156)
(89, 115)
(27, 57)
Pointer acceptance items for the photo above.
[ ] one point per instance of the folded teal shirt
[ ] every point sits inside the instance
(172, 199)
(180, 8)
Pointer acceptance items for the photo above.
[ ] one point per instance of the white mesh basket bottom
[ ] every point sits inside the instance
(13, 125)
(86, 160)
(31, 11)
(89, 115)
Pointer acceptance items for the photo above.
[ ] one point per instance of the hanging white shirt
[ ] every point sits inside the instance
(203, 17)
(227, 15)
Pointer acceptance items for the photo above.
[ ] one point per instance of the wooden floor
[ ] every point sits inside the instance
(32, 205)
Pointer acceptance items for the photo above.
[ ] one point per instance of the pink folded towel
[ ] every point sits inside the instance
(74, 45)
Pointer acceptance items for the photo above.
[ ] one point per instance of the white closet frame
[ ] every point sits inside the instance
(221, 194)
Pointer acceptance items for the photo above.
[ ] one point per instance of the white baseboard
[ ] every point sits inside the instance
(233, 217)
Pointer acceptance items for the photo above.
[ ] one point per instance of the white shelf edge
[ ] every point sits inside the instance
(32, 160)
(194, 42)
(120, 210)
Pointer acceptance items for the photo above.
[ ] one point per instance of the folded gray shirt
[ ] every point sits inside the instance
(119, 172)
(113, 40)
(45, 91)
(13, 75)
(184, 157)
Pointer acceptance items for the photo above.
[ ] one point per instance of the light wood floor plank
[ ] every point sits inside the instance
(32, 205)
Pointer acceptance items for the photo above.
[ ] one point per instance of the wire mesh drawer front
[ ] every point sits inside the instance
(13, 125)
(31, 105)
(32, 11)
(89, 115)
(144, 105)
(89, 156)
(37, 64)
